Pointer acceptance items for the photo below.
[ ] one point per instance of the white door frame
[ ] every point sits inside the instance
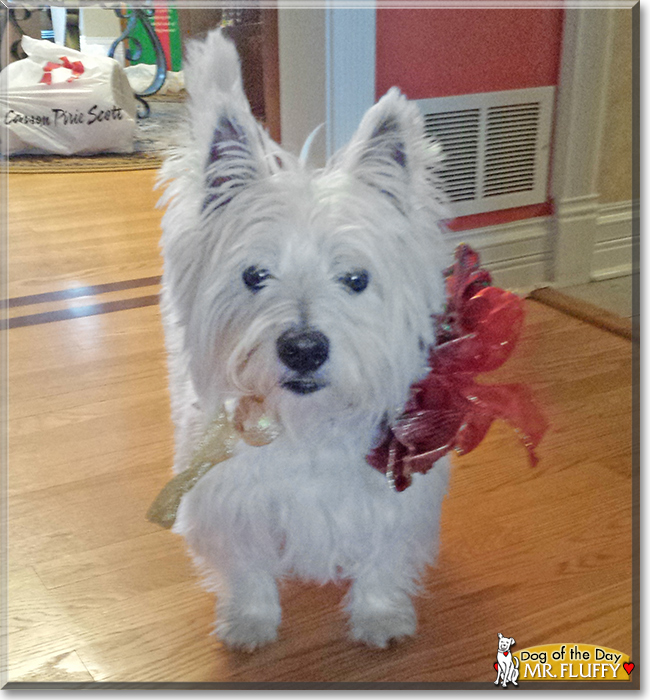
(579, 122)
(327, 74)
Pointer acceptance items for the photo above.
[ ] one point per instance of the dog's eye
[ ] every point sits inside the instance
(356, 281)
(254, 277)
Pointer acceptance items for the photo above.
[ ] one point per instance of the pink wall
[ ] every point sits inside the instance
(435, 53)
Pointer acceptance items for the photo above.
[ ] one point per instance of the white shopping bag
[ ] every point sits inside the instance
(58, 100)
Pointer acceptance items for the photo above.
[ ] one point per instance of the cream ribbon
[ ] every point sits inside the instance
(250, 423)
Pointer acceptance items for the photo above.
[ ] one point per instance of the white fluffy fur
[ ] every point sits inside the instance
(307, 504)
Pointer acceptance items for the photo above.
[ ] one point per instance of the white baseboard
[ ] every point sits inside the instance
(613, 246)
(517, 254)
(520, 254)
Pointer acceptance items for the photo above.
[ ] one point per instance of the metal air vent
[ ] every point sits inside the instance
(496, 147)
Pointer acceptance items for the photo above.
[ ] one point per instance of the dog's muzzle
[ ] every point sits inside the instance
(303, 351)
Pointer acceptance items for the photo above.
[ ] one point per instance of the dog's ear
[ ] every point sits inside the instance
(231, 147)
(500, 635)
(231, 162)
(389, 151)
(512, 641)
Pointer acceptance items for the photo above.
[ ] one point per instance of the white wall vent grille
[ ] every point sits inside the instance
(496, 147)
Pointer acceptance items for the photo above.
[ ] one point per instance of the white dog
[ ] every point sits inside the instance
(507, 670)
(312, 291)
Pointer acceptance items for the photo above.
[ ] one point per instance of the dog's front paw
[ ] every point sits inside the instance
(248, 630)
(378, 627)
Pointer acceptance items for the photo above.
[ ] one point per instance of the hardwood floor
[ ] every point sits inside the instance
(81, 229)
(96, 593)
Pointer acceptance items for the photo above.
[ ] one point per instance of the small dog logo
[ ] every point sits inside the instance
(506, 666)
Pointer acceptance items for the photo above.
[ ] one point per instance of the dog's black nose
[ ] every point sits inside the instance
(303, 350)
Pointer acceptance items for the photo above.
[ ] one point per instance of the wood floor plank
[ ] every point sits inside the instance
(81, 566)
(61, 668)
(73, 229)
(80, 342)
(34, 652)
(84, 514)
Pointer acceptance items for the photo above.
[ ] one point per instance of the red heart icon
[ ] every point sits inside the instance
(505, 653)
(629, 667)
(496, 666)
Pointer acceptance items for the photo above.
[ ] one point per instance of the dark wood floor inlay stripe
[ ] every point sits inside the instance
(79, 312)
(77, 292)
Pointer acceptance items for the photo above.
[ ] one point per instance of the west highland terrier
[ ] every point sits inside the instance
(298, 309)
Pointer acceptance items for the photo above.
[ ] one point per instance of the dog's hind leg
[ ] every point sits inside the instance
(515, 673)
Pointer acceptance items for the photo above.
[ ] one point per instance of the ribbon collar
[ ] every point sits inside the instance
(448, 410)
(249, 422)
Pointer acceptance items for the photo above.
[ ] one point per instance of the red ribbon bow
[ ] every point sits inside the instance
(448, 410)
(76, 67)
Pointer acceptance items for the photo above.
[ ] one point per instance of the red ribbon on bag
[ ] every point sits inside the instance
(76, 67)
(448, 410)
